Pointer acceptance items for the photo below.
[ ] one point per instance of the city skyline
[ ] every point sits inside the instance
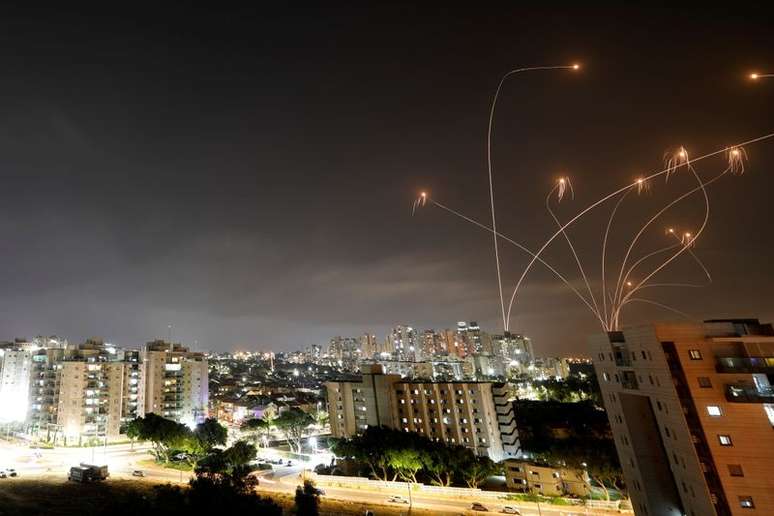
(206, 176)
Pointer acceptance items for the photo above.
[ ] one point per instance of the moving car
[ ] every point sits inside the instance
(475, 506)
(138, 473)
(509, 509)
(397, 499)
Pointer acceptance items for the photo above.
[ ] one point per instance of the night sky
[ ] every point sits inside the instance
(247, 176)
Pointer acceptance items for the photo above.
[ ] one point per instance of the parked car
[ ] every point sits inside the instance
(11, 472)
(509, 509)
(397, 499)
(138, 473)
(2, 474)
(290, 463)
(475, 506)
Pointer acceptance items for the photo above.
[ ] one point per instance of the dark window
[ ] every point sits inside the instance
(695, 354)
(735, 470)
(704, 382)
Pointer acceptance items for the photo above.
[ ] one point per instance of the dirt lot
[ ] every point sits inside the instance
(23, 497)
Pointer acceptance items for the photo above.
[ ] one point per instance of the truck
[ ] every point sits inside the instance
(88, 473)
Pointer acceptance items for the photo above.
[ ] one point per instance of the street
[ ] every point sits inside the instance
(123, 459)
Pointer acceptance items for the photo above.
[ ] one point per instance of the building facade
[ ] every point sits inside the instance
(456, 413)
(176, 382)
(692, 411)
(530, 477)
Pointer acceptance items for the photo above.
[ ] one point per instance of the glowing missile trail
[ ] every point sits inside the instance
(605, 199)
(523, 248)
(489, 168)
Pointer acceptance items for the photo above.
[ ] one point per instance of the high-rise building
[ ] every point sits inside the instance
(461, 413)
(404, 342)
(83, 393)
(468, 338)
(692, 410)
(368, 345)
(15, 374)
(512, 347)
(176, 382)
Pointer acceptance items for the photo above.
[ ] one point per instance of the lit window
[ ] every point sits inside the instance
(606, 377)
(695, 354)
(725, 440)
(746, 502)
(713, 410)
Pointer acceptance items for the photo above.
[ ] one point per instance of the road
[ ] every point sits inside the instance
(122, 460)
(285, 480)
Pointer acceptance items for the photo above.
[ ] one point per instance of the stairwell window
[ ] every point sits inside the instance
(694, 354)
(714, 410)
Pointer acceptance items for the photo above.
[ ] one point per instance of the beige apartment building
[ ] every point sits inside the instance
(692, 410)
(462, 413)
(531, 477)
(176, 382)
(83, 394)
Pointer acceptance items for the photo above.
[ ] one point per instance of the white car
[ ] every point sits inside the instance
(509, 509)
(397, 499)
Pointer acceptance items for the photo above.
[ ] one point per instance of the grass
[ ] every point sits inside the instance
(177, 466)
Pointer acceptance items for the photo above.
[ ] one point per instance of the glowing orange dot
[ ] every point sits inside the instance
(576, 66)
(424, 194)
(628, 283)
(735, 152)
(753, 76)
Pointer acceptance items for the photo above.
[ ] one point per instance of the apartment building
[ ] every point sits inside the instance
(692, 410)
(462, 413)
(532, 477)
(15, 373)
(176, 382)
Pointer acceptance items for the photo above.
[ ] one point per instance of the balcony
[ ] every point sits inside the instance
(745, 365)
(740, 393)
(629, 380)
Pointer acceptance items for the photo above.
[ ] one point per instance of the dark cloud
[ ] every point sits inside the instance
(247, 175)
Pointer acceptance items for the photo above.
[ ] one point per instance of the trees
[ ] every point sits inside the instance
(258, 428)
(164, 434)
(132, 430)
(476, 469)
(211, 433)
(168, 437)
(392, 454)
(441, 462)
(293, 423)
(307, 500)
(406, 462)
